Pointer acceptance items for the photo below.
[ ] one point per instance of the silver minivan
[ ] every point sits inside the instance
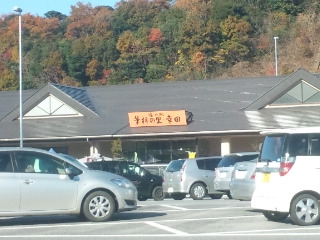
(225, 168)
(36, 182)
(191, 176)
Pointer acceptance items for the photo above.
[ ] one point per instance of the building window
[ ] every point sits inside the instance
(149, 152)
(301, 94)
(51, 107)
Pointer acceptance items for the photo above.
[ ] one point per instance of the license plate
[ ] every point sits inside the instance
(170, 189)
(240, 174)
(265, 177)
(223, 174)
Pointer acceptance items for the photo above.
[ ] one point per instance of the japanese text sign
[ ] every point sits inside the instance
(158, 118)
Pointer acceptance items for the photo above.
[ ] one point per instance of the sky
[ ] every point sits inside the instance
(40, 7)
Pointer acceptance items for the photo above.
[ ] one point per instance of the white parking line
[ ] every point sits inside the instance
(175, 207)
(168, 229)
(122, 236)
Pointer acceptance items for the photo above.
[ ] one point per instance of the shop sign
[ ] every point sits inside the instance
(158, 118)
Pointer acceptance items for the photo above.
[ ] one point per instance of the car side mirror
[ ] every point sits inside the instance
(71, 172)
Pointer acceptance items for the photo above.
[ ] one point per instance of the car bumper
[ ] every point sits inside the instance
(222, 186)
(272, 202)
(174, 188)
(242, 190)
(127, 199)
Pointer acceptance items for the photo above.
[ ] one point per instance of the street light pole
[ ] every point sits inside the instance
(275, 54)
(19, 11)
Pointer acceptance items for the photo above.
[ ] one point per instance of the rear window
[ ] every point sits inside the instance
(230, 161)
(272, 148)
(175, 166)
(208, 163)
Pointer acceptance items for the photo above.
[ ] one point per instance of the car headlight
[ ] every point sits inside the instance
(122, 182)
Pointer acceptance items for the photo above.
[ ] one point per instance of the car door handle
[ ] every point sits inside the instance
(28, 181)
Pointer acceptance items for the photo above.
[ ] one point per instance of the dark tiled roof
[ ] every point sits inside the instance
(78, 94)
(218, 108)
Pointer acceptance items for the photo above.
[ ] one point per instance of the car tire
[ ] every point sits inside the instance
(157, 193)
(305, 210)
(178, 196)
(216, 196)
(229, 195)
(198, 191)
(142, 198)
(275, 216)
(98, 206)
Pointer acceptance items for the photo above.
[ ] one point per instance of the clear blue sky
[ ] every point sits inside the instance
(40, 7)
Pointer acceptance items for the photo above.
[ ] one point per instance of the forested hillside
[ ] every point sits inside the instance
(141, 41)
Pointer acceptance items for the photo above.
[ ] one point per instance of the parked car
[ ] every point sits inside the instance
(225, 167)
(191, 176)
(288, 176)
(149, 185)
(156, 168)
(36, 182)
(242, 182)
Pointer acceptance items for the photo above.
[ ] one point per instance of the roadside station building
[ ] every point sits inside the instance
(158, 122)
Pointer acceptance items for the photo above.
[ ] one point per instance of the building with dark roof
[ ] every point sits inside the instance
(224, 115)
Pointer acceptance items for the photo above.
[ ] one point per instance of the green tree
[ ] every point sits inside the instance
(116, 149)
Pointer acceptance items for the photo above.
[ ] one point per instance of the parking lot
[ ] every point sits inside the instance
(168, 219)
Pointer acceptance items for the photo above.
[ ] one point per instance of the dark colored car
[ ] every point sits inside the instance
(148, 184)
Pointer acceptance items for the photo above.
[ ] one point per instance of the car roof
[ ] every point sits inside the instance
(23, 149)
(242, 154)
(198, 158)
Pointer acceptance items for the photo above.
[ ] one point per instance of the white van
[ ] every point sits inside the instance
(288, 176)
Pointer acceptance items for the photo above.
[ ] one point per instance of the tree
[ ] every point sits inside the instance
(55, 14)
(85, 21)
(235, 33)
(116, 149)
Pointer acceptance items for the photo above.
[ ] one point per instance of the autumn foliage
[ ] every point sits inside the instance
(141, 41)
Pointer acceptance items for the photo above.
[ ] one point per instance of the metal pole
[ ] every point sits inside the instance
(19, 11)
(275, 55)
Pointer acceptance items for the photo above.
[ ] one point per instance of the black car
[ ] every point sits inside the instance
(148, 184)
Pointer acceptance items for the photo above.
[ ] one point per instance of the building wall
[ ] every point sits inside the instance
(209, 147)
(204, 146)
(245, 143)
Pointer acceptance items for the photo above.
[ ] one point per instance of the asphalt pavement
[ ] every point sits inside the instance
(168, 219)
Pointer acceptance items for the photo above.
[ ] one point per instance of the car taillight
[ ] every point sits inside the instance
(285, 168)
(253, 176)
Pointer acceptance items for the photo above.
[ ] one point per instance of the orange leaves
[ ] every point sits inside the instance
(85, 20)
(155, 36)
(198, 59)
(39, 27)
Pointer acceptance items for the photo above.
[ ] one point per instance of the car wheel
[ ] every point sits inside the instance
(215, 196)
(275, 216)
(99, 206)
(305, 210)
(229, 195)
(142, 198)
(178, 196)
(198, 191)
(157, 193)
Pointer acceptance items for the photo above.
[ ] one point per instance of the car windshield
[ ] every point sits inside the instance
(230, 161)
(272, 148)
(175, 166)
